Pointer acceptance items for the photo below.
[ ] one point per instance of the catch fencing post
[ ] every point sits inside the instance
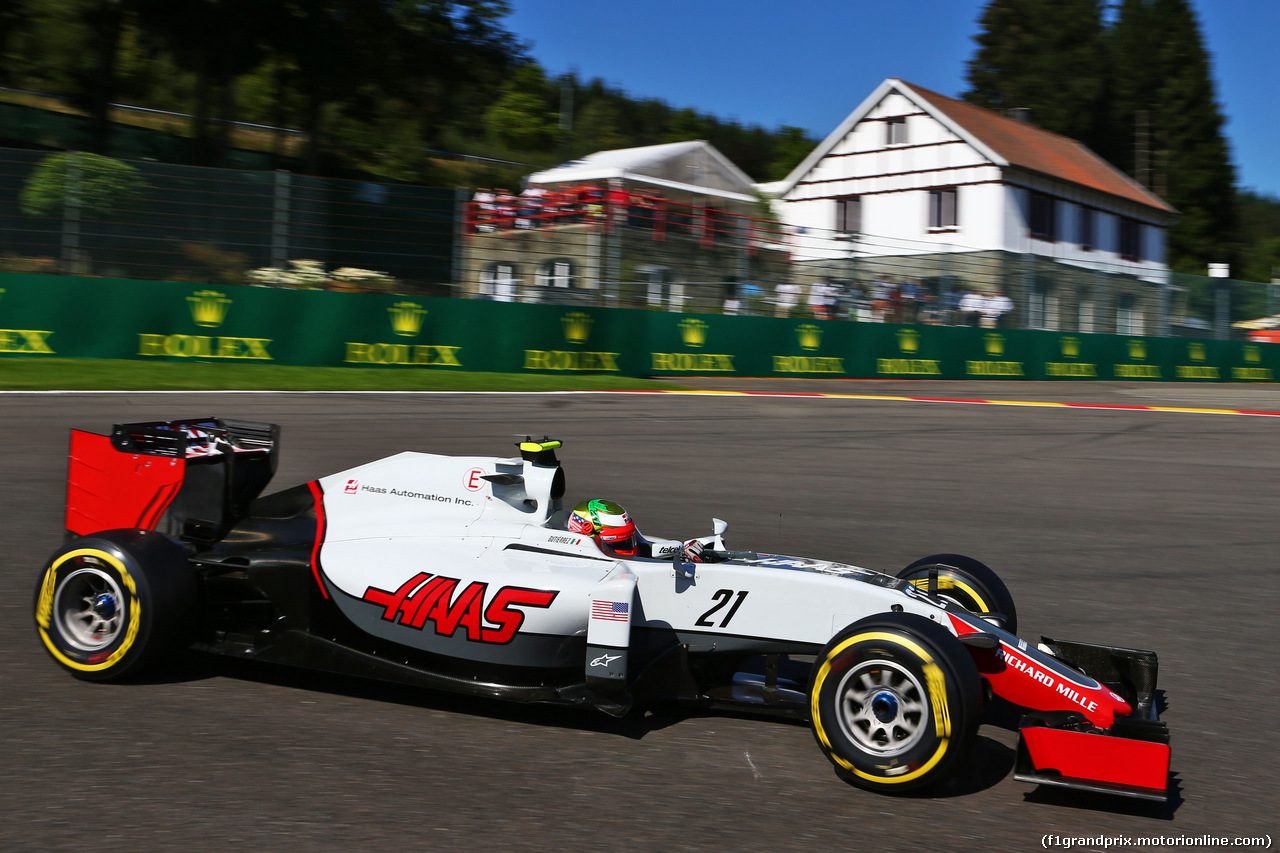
(1221, 273)
(71, 215)
(280, 220)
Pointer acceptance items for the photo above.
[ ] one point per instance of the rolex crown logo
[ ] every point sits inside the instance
(1196, 351)
(908, 340)
(693, 332)
(1137, 350)
(1252, 353)
(577, 326)
(406, 318)
(208, 307)
(1070, 347)
(809, 336)
(994, 343)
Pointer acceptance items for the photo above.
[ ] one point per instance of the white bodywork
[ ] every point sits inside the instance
(393, 525)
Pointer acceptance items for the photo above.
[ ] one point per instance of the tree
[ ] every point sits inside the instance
(1148, 74)
(521, 117)
(1047, 56)
(790, 146)
(98, 186)
(1193, 159)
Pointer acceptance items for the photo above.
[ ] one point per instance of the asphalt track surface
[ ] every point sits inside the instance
(1134, 528)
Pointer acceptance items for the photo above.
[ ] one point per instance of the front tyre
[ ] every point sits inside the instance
(894, 702)
(968, 582)
(110, 605)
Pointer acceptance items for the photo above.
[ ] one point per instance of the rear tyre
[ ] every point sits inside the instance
(969, 583)
(894, 702)
(112, 605)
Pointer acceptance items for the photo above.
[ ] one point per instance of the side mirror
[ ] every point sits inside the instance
(719, 526)
(681, 568)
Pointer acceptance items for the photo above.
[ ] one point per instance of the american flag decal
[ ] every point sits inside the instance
(612, 611)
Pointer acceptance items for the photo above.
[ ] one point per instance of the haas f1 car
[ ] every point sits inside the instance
(464, 573)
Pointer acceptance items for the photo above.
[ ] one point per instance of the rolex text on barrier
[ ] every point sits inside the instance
(79, 317)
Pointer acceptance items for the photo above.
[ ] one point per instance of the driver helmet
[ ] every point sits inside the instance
(608, 523)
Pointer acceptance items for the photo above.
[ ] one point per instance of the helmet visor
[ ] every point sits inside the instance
(620, 540)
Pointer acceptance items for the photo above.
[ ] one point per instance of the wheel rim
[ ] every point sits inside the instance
(883, 709)
(89, 608)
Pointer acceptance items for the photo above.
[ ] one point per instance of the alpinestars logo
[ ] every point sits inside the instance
(426, 598)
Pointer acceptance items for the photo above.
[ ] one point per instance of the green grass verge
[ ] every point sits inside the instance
(77, 374)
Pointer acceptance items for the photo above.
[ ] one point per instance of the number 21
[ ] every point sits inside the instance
(722, 596)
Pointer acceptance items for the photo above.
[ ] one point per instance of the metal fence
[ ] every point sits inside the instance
(601, 246)
(183, 223)
(605, 246)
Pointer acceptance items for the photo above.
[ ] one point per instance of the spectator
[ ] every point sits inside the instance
(859, 303)
(751, 296)
(821, 298)
(731, 302)
(949, 307)
(531, 201)
(971, 305)
(504, 204)
(786, 296)
(842, 306)
(911, 300)
(881, 296)
(994, 307)
(482, 203)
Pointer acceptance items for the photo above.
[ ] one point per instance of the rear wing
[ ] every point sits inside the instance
(192, 479)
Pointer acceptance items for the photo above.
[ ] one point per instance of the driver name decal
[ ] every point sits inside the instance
(427, 598)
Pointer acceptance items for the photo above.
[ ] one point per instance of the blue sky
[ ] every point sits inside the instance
(809, 63)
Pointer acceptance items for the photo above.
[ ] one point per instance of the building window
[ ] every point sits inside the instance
(1042, 210)
(498, 282)
(849, 214)
(556, 273)
(1086, 312)
(1086, 228)
(664, 293)
(895, 131)
(1130, 239)
(1042, 306)
(942, 208)
(1128, 316)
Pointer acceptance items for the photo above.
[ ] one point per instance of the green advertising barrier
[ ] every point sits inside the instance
(67, 316)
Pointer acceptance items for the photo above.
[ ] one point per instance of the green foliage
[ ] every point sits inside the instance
(790, 146)
(376, 86)
(1259, 226)
(520, 117)
(1142, 84)
(99, 185)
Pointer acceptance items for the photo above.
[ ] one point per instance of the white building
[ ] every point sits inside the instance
(981, 198)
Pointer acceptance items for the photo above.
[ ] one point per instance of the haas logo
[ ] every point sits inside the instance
(352, 487)
(435, 599)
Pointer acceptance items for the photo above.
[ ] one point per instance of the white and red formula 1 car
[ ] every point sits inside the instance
(462, 573)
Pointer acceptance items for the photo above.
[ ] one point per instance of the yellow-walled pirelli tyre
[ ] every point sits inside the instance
(968, 582)
(895, 700)
(110, 605)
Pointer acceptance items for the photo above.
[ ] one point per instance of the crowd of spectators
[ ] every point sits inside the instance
(879, 301)
(537, 207)
(882, 300)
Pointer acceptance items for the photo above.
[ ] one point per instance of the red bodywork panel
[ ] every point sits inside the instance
(1030, 678)
(1098, 757)
(108, 489)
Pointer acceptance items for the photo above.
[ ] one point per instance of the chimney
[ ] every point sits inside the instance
(1022, 114)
